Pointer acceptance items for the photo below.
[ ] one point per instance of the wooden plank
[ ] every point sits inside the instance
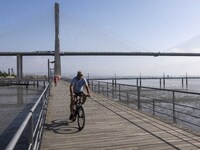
(109, 125)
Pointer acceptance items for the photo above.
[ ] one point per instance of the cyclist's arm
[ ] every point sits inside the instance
(88, 90)
(71, 89)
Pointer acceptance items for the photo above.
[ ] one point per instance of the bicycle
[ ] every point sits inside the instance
(79, 112)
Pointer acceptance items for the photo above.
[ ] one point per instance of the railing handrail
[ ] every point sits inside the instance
(23, 79)
(24, 124)
(39, 99)
(154, 88)
(141, 98)
(144, 77)
(17, 135)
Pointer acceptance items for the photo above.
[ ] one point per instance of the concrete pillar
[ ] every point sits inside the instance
(19, 66)
(57, 64)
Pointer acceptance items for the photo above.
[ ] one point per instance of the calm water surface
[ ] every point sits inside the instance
(15, 103)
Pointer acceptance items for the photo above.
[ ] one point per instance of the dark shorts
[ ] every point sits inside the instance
(80, 94)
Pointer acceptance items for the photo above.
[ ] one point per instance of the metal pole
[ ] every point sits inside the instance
(174, 113)
(164, 80)
(153, 106)
(160, 83)
(127, 99)
(115, 80)
(119, 92)
(186, 81)
(138, 94)
(112, 92)
(182, 82)
(48, 69)
(92, 86)
(98, 87)
(107, 90)
(30, 136)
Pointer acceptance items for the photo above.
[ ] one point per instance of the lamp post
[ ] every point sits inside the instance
(49, 68)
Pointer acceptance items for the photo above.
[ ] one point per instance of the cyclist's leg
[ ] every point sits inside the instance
(83, 95)
(72, 107)
(84, 98)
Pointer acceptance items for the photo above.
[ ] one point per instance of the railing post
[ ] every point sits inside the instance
(102, 91)
(94, 88)
(138, 94)
(92, 85)
(160, 83)
(49, 88)
(174, 111)
(112, 92)
(153, 106)
(44, 84)
(164, 80)
(112, 82)
(98, 87)
(186, 82)
(107, 90)
(115, 80)
(119, 92)
(182, 82)
(127, 98)
(30, 131)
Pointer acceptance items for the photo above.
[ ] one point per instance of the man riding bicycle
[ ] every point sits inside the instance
(76, 88)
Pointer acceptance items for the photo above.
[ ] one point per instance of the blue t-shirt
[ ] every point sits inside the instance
(78, 84)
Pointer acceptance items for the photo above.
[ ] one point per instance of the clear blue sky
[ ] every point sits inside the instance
(151, 25)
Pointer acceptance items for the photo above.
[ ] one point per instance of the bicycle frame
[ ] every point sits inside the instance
(79, 112)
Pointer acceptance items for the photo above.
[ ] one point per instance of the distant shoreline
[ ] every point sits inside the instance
(5, 84)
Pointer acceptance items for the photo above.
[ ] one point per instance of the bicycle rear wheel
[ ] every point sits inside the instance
(81, 118)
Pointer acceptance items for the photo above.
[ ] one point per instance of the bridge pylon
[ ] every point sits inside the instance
(57, 64)
(19, 66)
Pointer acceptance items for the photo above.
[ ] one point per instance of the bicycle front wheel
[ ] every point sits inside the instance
(81, 118)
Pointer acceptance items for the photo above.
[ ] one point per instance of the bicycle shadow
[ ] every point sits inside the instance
(61, 127)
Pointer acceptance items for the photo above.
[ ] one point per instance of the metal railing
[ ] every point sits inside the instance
(23, 81)
(33, 123)
(175, 106)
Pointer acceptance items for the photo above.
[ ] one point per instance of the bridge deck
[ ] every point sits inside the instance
(109, 125)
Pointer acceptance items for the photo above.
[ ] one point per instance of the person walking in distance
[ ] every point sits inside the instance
(76, 88)
(55, 80)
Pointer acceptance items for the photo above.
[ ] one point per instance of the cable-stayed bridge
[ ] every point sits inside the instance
(42, 36)
(121, 127)
(52, 53)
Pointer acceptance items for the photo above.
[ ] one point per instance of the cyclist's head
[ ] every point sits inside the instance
(79, 74)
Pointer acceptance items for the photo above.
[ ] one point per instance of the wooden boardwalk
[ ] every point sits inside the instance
(109, 125)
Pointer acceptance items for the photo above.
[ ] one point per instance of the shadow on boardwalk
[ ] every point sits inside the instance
(109, 125)
(61, 127)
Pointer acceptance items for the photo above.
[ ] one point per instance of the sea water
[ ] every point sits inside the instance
(192, 85)
(15, 103)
